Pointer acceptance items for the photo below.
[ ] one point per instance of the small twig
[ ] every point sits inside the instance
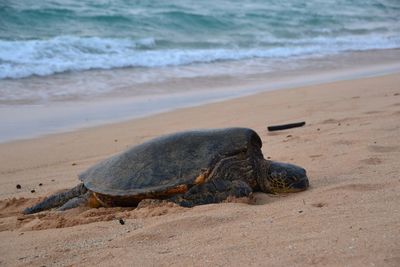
(285, 126)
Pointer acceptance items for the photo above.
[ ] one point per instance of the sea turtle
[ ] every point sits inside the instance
(189, 168)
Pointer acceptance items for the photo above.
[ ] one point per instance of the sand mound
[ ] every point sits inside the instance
(12, 217)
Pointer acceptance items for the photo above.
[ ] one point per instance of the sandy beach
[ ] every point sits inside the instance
(350, 216)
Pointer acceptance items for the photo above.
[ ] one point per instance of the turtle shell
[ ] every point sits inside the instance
(167, 162)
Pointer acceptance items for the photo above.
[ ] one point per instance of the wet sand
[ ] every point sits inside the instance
(350, 215)
(36, 106)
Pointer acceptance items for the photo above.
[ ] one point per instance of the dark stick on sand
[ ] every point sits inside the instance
(286, 126)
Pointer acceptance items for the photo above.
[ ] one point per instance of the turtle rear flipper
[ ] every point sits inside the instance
(76, 202)
(214, 191)
(57, 200)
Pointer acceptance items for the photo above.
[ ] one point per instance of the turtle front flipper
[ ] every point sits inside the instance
(214, 191)
(57, 200)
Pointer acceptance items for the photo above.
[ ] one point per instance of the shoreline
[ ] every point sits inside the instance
(36, 120)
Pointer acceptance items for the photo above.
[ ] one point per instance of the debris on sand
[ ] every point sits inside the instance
(286, 126)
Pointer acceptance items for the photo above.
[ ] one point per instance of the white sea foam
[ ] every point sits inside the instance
(20, 59)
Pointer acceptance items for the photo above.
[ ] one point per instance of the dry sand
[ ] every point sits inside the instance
(350, 216)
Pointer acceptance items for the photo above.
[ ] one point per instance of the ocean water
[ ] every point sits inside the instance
(58, 51)
(55, 36)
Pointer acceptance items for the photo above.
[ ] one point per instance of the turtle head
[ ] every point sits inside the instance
(281, 177)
